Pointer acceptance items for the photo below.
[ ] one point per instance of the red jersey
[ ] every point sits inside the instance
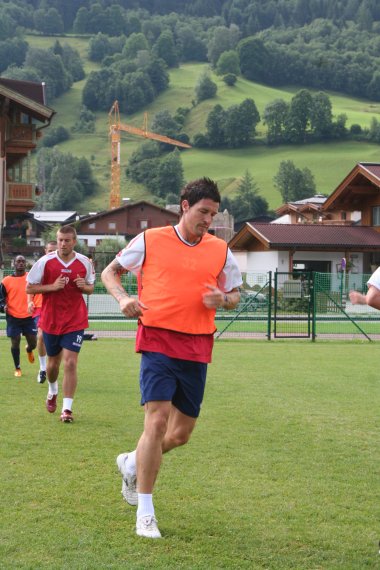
(65, 310)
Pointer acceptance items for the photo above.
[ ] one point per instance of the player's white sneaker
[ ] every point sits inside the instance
(147, 526)
(128, 488)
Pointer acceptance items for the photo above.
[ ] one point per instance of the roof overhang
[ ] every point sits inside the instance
(306, 237)
(361, 182)
(26, 104)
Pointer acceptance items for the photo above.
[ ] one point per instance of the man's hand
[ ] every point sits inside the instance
(59, 283)
(80, 282)
(132, 308)
(213, 298)
(31, 307)
(357, 298)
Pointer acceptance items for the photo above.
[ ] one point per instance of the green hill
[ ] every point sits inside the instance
(329, 162)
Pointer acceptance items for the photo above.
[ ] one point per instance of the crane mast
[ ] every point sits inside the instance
(115, 127)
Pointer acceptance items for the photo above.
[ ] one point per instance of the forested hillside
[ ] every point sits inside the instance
(134, 48)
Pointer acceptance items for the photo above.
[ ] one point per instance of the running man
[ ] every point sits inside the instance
(14, 302)
(184, 275)
(34, 308)
(62, 277)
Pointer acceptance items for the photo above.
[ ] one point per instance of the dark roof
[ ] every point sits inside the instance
(307, 236)
(28, 95)
(30, 89)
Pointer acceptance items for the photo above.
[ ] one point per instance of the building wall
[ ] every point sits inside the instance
(262, 262)
(93, 240)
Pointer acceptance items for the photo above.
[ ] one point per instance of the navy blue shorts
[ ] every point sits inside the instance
(181, 382)
(16, 327)
(55, 342)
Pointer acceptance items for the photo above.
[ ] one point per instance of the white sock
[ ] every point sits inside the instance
(53, 388)
(130, 463)
(67, 404)
(42, 360)
(145, 505)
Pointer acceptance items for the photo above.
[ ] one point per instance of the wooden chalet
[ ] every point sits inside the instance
(319, 234)
(23, 114)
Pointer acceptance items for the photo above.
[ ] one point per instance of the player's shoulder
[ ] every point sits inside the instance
(83, 258)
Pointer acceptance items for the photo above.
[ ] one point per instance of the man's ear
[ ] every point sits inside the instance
(185, 205)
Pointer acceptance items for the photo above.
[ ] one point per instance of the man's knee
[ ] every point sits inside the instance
(178, 437)
(32, 342)
(156, 423)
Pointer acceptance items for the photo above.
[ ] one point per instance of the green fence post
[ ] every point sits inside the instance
(314, 307)
(269, 324)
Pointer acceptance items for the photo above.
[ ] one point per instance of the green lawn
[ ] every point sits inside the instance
(281, 472)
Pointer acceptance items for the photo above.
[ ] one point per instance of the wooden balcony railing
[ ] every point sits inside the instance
(22, 135)
(20, 192)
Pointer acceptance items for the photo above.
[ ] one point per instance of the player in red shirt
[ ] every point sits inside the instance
(63, 277)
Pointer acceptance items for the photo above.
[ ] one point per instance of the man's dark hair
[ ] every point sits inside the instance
(199, 189)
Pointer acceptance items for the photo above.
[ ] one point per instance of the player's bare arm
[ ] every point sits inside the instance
(372, 298)
(215, 298)
(31, 305)
(111, 279)
(33, 288)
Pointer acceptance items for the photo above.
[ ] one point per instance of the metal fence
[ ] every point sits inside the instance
(278, 305)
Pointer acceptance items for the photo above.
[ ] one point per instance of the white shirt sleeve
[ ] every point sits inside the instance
(90, 271)
(230, 277)
(375, 279)
(36, 273)
(133, 255)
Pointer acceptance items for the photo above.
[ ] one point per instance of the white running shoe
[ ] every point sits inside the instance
(128, 488)
(147, 526)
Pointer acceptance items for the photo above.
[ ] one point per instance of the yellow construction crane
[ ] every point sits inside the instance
(115, 127)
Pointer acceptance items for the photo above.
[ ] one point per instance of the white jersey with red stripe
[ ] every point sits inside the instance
(65, 310)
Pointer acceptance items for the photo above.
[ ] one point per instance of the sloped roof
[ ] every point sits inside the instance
(307, 236)
(28, 95)
(54, 216)
(128, 206)
(363, 181)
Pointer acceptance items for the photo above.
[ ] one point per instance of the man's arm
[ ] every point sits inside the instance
(372, 298)
(33, 288)
(111, 279)
(3, 298)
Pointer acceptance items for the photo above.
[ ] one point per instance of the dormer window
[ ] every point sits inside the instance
(376, 216)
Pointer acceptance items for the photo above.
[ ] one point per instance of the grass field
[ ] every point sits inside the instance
(281, 472)
(329, 163)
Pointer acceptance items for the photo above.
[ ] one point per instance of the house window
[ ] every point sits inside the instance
(143, 224)
(92, 226)
(98, 241)
(376, 216)
(343, 215)
(112, 225)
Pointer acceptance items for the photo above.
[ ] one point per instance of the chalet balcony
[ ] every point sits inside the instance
(20, 196)
(21, 136)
